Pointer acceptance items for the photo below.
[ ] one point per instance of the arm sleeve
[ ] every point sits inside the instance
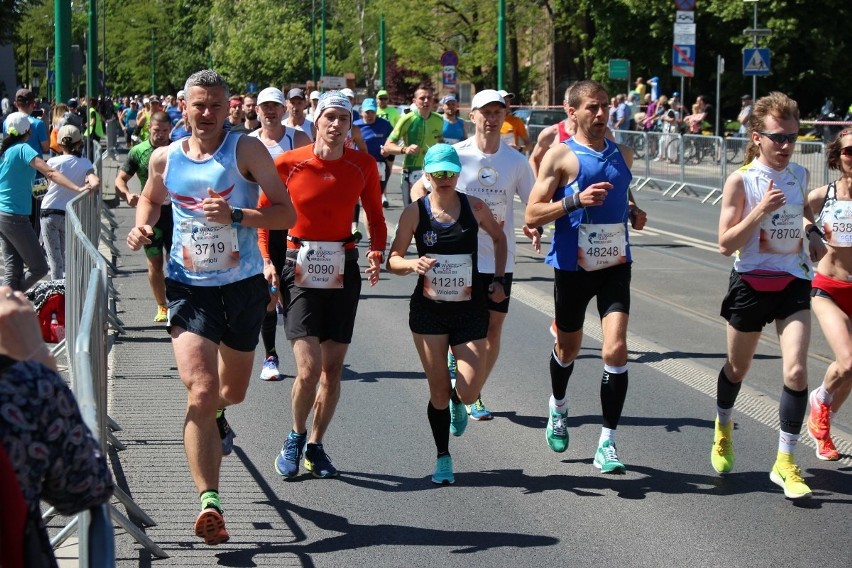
(371, 199)
(263, 234)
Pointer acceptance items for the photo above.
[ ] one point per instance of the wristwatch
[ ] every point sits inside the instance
(500, 280)
(236, 215)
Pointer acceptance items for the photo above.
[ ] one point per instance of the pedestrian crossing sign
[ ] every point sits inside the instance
(756, 61)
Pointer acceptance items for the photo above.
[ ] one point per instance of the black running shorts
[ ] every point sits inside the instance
(573, 290)
(748, 310)
(326, 314)
(230, 314)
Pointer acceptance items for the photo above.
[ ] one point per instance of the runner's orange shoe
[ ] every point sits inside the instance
(210, 525)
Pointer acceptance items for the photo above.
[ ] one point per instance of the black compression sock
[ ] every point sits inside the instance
(559, 376)
(439, 421)
(726, 391)
(791, 410)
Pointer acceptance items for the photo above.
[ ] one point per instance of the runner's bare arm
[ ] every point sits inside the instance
(255, 163)
(816, 246)
(418, 190)
(545, 140)
(397, 263)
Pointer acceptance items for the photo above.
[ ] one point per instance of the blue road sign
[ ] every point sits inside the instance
(688, 5)
(683, 55)
(756, 61)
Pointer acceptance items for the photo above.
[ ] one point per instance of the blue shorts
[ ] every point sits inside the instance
(230, 314)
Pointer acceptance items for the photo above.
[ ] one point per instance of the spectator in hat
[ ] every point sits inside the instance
(81, 172)
(18, 239)
(514, 131)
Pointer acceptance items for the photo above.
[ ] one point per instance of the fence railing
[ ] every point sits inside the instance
(89, 313)
(699, 164)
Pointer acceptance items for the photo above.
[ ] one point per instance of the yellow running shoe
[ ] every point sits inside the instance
(722, 454)
(788, 476)
(162, 314)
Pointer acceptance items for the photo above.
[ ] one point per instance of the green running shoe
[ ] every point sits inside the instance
(557, 430)
(606, 459)
(722, 453)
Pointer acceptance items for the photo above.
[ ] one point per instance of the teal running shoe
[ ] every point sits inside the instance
(458, 418)
(557, 430)
(478, 411)
(606, 459)
(443, 471)
(451, 365)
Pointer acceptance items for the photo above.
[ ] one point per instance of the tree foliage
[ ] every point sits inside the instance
(268, 42)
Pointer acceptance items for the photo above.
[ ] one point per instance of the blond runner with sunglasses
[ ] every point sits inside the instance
(832, 292)
(768, 225)
(448, 307)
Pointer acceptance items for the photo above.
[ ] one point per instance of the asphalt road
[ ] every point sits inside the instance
(514, 502)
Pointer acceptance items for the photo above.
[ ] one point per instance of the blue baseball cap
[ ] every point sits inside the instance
(441, 158)
(369, 105)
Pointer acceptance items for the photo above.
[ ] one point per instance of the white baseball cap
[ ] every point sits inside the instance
(315, 95)
(348, 93)
(506, 94)
(271, 95)
(485, 97)
(17, 124)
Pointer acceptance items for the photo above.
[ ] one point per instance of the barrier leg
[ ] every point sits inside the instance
(132, 508)
(138, 535)
(63, 535)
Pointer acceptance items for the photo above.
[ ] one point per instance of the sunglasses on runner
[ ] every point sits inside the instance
(780, 137)
(847, 151)
(443, 175)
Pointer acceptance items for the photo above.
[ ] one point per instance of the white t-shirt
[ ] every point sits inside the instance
(495, 179)
(75, 169)
(285, 144)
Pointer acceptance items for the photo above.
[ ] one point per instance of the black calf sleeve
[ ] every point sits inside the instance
(613, 393)
(791, 410)
(726, 391)
(267, 332)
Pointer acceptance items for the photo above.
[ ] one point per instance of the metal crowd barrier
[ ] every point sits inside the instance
(700, 164)
(89, 313)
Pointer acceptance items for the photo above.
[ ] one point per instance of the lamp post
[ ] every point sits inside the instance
(153, 65)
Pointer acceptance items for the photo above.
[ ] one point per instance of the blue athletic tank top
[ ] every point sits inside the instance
(187, 181)
(607, 165)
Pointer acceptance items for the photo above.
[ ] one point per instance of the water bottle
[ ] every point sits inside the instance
(56, 328)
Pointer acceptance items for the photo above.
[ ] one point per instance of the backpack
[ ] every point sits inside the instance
(48, 298)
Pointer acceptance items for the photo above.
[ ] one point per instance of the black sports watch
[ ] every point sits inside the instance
(236, 215)
(500, 280)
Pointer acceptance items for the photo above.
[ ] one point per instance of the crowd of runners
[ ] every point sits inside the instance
(250, 213)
